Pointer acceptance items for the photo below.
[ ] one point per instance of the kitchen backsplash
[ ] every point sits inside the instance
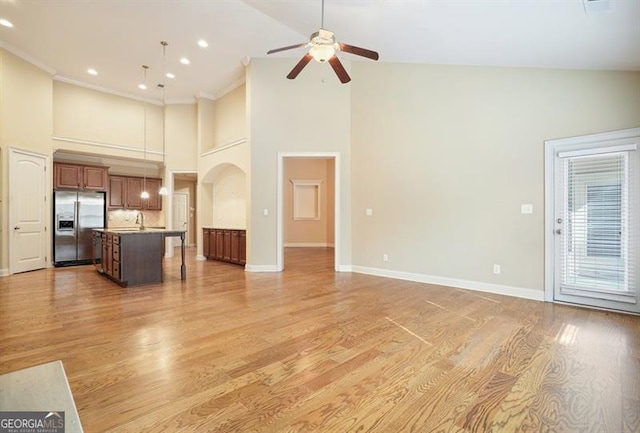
(127, 218)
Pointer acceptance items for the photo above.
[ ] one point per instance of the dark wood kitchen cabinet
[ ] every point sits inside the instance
(82, 177)
(133, 191)
(226, 245)
(124, 193)
(132, 258)
(154, 202)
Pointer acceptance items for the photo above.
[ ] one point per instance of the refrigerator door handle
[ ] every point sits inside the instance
(76, 218)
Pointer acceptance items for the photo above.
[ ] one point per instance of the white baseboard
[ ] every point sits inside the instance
(345, 268)
(4, 272)
(201, 258)
(308, 245)
(519, 292)
(260, 268)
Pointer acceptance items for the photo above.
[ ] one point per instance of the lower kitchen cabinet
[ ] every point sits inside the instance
(226, 245)
(132, 258)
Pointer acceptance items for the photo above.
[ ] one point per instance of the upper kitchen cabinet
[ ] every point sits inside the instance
(117, 192)
(85, 177)
(155, 199)
(134, 189)
(124, 193)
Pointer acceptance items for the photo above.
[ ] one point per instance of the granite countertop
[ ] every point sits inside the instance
(136, 230)
(223, 228)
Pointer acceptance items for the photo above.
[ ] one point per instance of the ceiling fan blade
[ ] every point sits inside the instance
(300, 66)
(359, 51)
(290, 47)
(336, 64)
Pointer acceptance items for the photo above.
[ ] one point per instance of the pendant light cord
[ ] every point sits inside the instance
(164, 104)
(144, 134)
(163, 188)
(322, 16)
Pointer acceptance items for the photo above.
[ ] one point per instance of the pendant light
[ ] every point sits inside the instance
(144, 194)
(163, 189)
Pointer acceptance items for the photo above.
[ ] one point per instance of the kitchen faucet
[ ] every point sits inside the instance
(140, 220)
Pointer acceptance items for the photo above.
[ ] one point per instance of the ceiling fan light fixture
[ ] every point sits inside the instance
(322, 53)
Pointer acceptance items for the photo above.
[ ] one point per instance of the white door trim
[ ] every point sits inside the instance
(176, 241)
(280, 203)
(168, 204)
(551, 148)
(47, 217)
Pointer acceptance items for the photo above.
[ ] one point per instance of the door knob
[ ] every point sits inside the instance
(558, 231)
(16, 228)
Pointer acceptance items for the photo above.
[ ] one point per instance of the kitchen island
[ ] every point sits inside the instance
(133, 257)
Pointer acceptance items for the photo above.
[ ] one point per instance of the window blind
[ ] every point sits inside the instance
(596, 253)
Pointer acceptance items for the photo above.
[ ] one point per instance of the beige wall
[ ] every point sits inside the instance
(446, 155)
(205, 113)
(25, 124)
(229, 117)
(25, 105)
(309, 114)
(309, 232)
(98, 122)
(229, 199)
(181, 137)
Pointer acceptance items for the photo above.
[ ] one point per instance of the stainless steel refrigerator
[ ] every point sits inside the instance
(75, 215)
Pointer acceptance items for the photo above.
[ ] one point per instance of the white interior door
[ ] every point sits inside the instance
(27, 211)
(593, 220)
(181, 214)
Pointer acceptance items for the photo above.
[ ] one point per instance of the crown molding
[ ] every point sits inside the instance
(176, 101)
(26, 57)
(205, 95)
(230, 87)
(215, 96)
(79, 83)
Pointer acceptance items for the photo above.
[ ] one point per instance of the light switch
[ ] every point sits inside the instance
(369, 211)
(526, 209)
(265, 212)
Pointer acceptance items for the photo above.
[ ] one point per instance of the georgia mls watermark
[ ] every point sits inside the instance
(31, 422)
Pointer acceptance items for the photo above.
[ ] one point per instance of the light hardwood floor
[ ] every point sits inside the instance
(313, 350)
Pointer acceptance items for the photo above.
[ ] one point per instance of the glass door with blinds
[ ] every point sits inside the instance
(594, 221)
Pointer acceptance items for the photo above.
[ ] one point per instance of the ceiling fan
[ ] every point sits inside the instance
(323, 47)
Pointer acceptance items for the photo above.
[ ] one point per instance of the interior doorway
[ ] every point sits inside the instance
(183, 200)
(308, 205)
(180, 212)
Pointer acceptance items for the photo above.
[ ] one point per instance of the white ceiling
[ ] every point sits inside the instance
(117, 36)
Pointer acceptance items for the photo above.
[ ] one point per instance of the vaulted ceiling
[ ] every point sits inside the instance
(116, 37)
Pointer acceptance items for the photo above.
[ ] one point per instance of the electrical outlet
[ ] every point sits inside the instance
(385, 257)
(496, 269)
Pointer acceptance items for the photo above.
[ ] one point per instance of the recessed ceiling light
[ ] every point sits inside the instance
(170, 75)
(92, 71)
(142, 86)
(184, 61)
(6, 22)
(202, 43)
